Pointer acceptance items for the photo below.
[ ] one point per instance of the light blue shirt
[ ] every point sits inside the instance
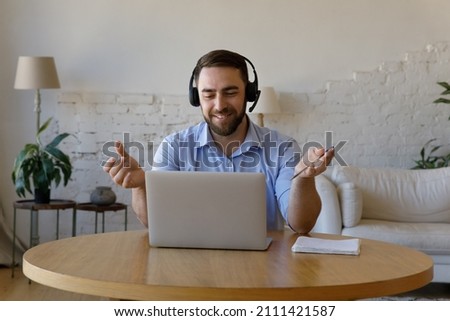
(263, 150)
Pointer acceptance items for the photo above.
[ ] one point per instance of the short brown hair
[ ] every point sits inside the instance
(222, 58)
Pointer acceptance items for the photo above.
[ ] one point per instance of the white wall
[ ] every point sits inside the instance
(151, 46)
(142, 45)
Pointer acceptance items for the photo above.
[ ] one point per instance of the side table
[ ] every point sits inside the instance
(34, 208)
(101, 209)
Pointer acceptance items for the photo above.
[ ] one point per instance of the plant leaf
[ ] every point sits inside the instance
(442, 100)
(435, 148)
(58, 139)
(444, 84)
(21, 168)
(57, 154)
(44, 126)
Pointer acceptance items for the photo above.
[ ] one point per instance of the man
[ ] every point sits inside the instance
(228, 140)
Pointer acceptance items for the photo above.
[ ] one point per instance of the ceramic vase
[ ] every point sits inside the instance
(103, 195)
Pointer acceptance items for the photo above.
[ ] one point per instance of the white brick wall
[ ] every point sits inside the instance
(385, 115)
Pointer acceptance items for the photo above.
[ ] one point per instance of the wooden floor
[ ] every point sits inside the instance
(19, 289)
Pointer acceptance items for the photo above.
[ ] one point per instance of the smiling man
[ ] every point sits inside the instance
(228, 141)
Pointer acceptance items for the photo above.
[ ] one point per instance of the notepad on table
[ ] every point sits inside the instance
(326, 246)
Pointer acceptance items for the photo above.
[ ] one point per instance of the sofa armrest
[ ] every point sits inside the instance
(330, 218)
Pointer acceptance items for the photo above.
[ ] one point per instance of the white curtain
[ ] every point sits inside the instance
(6, 235)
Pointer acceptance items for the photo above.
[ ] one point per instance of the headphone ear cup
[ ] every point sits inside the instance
(251, 91)
(194, 99)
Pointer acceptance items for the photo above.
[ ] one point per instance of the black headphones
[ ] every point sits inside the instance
(251, 90)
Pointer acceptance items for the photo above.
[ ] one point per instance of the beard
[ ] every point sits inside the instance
(227, 127)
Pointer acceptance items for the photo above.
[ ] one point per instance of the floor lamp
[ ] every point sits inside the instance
(267, 104)
(36, 73)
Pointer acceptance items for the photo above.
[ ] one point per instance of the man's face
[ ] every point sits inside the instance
(222, 98)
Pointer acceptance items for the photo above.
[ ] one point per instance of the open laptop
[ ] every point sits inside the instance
(207, 210)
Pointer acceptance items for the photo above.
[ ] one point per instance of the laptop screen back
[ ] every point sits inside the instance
(207, 210)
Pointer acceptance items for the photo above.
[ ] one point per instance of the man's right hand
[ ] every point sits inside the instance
(125, 170)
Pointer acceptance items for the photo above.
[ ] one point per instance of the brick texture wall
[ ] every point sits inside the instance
(381, 118)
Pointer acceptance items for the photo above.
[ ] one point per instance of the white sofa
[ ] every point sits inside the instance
(407, 207)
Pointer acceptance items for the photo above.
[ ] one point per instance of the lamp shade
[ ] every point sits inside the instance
(36, 73)
(268, 102)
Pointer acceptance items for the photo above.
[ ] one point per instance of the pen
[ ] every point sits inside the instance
(304, 169)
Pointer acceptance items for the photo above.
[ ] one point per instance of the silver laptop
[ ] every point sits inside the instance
(207, 210)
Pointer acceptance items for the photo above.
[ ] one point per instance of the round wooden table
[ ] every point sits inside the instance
(122, 265)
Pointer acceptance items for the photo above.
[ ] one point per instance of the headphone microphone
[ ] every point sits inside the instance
(258, 93)
(251, 90)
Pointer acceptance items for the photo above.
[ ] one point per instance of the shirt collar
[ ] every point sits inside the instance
(204, 136)
(253, 139)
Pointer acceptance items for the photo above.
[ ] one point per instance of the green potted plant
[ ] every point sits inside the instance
(427, 157)
(39, 165)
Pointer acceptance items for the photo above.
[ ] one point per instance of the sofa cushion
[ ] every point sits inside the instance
(431, 238)
(350, 200)
(400, 195)
(330, 218)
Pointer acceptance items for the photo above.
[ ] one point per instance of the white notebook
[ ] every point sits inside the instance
(326, 246)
